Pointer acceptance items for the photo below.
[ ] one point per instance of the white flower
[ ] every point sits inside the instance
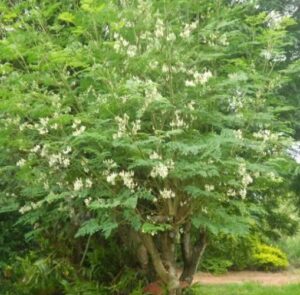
(25, 209)
(88, 183)
(122, 125)
(67, 150)
(209, 187)
(170, 164)
(35, 149)
(153, 64)
(243, 193)
(246, 180)
(78, 184)
(44, 121)
(165, 68)
(87, 201)
(274, 19)
(79, 131)
(155, 156)
(110, 163)
(159, 170)
(202, 78)
(21, 163)
(189, 83)
(242, 169)
(266, 54)
(235, 103)
(238, 134)
(111, 178)
(127, 178)
(159, 28)
(188, 29)
(65, 162)
(177, 122)
(136, 126)
(191, 105)
(167, 194)
(266, 135)
(231, 193)
(131, 50)
(171, 37)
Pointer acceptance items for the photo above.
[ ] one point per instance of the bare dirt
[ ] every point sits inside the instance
(264, 278)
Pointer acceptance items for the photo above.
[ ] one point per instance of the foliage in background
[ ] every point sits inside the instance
(249, 252)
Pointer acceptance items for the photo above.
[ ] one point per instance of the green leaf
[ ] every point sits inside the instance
(67, 17)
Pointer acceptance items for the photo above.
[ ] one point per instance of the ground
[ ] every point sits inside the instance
(264, 278)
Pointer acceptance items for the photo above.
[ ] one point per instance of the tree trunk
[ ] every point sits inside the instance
(191, 254)
(164, 261)
(169, 255)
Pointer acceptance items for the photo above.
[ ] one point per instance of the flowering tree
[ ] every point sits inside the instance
(161, 117)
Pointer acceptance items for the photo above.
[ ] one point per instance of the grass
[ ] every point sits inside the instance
(245, 289)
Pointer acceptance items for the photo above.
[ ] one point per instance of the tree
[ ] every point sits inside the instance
(160, 117)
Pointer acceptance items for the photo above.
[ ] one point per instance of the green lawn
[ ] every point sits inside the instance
(246, 289)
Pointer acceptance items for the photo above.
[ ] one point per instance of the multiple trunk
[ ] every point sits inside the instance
(191, 254)
(163, 256)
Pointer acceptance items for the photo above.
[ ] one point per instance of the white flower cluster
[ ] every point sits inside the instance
(167, 194)
(274, 178)
(161, 169)
(178, 121)
(274, 19)
(58, 159)
(198, 78)
(54, 160)
(236, 102)
(136, 126)
(126, 176)
(246, 180)
(269, 55)
(78, 128)
(188, 29)
(123, 125)
(29, 207)
(24, 125)
(238, 134)
(79, 184)
(111, 178)
(122, 46)
(155, 156)
(87, 201)
(110, 163)
(159, 28)
(151, 95)
(21, 163)
(266, 135)
(209, 187)
(42, 127)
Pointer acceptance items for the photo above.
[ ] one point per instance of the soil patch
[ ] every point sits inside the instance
(264, 278)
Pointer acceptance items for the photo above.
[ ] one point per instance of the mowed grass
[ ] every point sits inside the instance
(246, 289)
